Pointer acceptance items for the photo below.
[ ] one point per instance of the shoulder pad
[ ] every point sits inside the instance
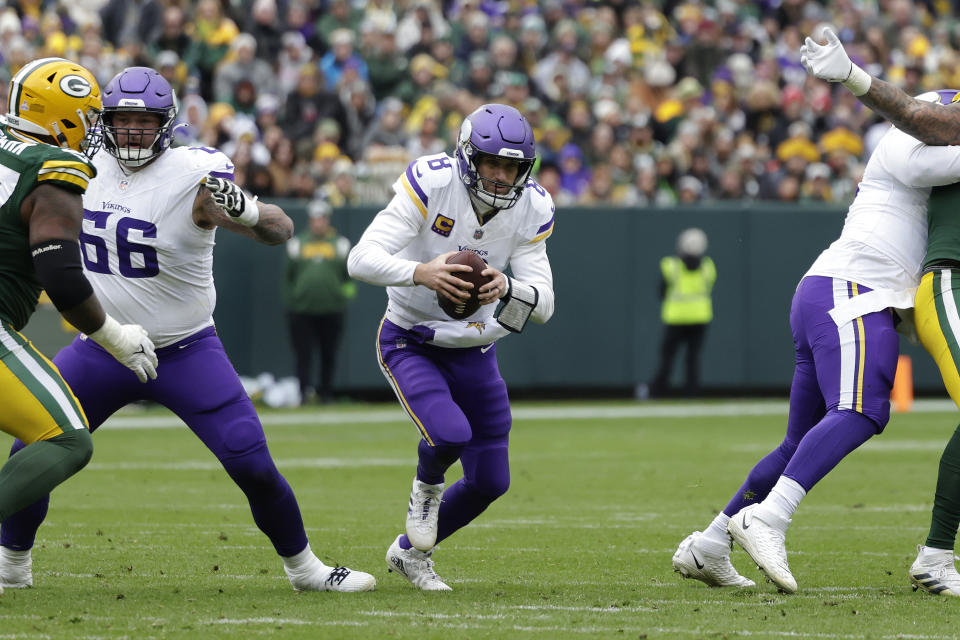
(63, 167)
(422, 177)
(431, 172)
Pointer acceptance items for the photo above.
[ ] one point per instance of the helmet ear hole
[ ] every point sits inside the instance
(67, 124)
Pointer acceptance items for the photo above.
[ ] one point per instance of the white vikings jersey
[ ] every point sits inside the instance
(147, 261)
(431, 214)
(884, 236)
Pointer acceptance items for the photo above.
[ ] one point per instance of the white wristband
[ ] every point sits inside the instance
(251, 212)
(858, 81)
(108, 335)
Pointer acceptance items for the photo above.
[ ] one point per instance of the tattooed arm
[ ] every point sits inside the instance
(925, 121)
(273, 226)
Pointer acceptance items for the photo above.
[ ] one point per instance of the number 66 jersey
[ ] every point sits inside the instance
(147, 260)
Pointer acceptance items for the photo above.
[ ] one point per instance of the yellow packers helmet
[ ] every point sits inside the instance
(58, 102)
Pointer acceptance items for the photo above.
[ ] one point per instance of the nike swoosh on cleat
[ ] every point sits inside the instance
(743, 521)
(696, 560)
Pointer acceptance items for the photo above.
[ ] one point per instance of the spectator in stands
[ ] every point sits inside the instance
(340, 191)
(212, 34)
(245, 66)
(173, 35)
(264, 26)
(310, 103)
(340, 58)
(339, 15)
(127, 21)
(574, 176)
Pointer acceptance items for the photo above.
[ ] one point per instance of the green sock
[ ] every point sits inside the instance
(35, 470)
(946, 502)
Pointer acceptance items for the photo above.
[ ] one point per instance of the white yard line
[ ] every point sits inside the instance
(128, 420)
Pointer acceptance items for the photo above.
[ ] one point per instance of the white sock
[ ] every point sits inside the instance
(18, 557)
(784, 498)
(300, 561)
(717, 531)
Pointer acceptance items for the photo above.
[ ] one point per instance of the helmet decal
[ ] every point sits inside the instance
(76, 86)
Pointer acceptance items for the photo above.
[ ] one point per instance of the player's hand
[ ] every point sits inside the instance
(828, 61)
(231, 198)
(130, 345)
(496, 288)
(437, 275)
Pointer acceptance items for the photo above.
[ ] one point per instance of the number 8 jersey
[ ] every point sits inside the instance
(147, 260)
(431, 214)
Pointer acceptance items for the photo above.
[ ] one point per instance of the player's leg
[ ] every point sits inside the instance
(100, 395)
(201, 386)
(855, 364)
(419, 376)
(706, 556)
(936, 315)
(40, 410)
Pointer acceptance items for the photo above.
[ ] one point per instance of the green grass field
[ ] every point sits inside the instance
(152, 540)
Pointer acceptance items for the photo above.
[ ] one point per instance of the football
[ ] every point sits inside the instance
(461, 310)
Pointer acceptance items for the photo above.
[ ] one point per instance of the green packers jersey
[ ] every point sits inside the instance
(23, 166)
(943, 223)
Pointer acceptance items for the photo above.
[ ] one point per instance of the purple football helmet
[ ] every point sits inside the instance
(138, 89)
(495, 130)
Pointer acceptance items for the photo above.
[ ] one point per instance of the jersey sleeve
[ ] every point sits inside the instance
(207, 160)
(542, 214)
(66, 170)
(918, 165)
(373, 259)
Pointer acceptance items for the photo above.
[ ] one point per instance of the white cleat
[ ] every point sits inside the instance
(16, 569)
(416, 566)
(422, 514)
(319, 577)
(752, 528)
(708, 562)
(935, 573)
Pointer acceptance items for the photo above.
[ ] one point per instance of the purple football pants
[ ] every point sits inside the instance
(196, 381)
(459, 403)
(840, 395)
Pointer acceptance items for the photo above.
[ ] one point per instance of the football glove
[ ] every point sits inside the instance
(129, 344)
(231, 198)
(830, 62)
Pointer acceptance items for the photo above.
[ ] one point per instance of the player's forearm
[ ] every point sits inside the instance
(274, 226)
(925, 121)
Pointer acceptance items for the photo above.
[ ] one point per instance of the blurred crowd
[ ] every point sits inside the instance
(633, 102)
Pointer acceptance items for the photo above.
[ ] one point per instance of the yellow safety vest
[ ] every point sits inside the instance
(687, 299)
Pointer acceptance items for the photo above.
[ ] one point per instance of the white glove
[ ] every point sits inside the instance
(231, 198)
(830, 62)
(129, 344)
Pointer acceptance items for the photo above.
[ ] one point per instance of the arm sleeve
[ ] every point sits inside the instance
(530, 265)
(373, 260)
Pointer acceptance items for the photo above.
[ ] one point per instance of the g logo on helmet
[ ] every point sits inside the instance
(76, 86)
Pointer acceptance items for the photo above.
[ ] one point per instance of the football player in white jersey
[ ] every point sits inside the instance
(846, 356)
(147, 244)
(444, 371)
